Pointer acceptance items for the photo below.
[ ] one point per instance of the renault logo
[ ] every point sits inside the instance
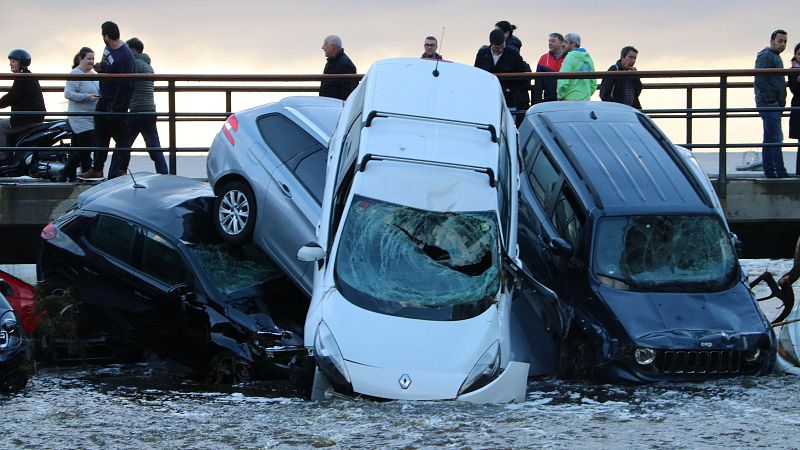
(405, 381)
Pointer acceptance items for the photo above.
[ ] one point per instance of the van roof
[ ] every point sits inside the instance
(622, 158)
(468, 99)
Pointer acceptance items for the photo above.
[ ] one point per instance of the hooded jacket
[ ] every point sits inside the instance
(577, 60)
(24, 95)
(142, 97)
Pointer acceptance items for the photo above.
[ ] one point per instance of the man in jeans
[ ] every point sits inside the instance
(142, 101)
(115, 94)
(771, 93)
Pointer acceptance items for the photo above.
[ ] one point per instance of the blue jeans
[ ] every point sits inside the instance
(772, 156)
(146, 125)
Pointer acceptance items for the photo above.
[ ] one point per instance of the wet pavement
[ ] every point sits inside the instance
(148, 406)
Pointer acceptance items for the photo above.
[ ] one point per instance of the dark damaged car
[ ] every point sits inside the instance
(14, 358)
(144, 263)
(627, 230)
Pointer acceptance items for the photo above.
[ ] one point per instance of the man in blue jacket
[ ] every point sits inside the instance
(115, 95)
(771, 93)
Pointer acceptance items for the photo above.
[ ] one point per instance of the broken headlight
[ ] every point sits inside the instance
(485, 371)
(328, 356)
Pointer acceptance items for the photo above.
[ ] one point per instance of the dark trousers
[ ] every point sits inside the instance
(146, 126)
(772, 156)
(85, 139)
(106, 128)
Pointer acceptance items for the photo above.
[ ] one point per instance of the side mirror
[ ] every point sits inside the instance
(183, 292)
(311, 252)
(561, 247)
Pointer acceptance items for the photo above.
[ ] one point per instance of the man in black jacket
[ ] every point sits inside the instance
(623, 90)
(497, 58)
(338, 63)
(24, 95)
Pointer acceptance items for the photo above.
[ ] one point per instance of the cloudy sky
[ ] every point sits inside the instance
(266, 36)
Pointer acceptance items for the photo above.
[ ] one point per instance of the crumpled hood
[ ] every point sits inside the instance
(727, 319)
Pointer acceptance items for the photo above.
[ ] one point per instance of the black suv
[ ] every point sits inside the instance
(626, 229)
(143, 262)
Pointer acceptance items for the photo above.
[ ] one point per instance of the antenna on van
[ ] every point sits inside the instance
(436, 68)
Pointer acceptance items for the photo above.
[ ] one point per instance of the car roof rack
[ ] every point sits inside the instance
(370, 157)
(383, 114)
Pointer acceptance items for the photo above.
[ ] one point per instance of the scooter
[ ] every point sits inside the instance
(38, 164)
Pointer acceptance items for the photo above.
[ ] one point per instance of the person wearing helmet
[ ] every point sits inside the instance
(25, 95)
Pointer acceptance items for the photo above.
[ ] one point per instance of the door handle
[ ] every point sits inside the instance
(90, 271)
(286, 191)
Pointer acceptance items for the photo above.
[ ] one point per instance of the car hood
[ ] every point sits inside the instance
(726, 319)
(382, 341)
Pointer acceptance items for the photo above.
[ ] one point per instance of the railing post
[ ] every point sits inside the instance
(228, 101)
(723, 137)
(689, 92)
(173, 159)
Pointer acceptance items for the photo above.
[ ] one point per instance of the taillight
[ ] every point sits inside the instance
(232, 124)
(49, 232)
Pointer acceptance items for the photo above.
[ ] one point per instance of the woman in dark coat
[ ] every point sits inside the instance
(794, 116)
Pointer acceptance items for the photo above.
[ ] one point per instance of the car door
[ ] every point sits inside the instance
(292, 207)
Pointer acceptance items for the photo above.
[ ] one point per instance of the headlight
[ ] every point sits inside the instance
(644, 355)
(329, 356)
(486, 369)
(751, 356)
(10, 332)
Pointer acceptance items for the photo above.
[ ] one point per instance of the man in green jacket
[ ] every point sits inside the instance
(577, 60)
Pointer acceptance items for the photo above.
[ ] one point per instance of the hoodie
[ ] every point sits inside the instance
(142, 98)
(577, 60)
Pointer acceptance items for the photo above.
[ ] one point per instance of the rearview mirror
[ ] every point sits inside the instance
(311, 252)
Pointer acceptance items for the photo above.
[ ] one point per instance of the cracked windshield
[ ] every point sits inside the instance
(415, 258)
(233, 269)
(664, 252)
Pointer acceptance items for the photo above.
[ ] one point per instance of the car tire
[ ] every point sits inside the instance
(227, 368)
(235, 213)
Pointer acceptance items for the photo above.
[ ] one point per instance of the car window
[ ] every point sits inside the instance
(504, 185)
(566, 217)
(283, 136)
(349, 151)
(311, 173)
(161, 260)
(114, 237)
(543, 176)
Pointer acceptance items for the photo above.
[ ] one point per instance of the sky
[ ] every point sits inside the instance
(284, 37)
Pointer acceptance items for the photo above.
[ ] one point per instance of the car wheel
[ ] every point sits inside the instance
(235, 213)
(227, 368)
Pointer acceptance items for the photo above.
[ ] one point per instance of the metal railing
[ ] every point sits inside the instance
(186, 84)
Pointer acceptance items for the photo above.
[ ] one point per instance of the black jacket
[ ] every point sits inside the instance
(515, 91)
(338, 64)
(24, 95)
(610, 93)
(794, 116)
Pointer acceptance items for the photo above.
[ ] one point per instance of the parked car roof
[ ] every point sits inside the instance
(621, 157)
(162, 202)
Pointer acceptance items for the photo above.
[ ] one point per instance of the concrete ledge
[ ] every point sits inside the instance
(761, 199)
(35, 202)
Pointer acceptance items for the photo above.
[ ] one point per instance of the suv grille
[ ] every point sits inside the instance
(699, 361)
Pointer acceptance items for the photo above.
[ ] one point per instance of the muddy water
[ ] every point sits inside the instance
(145, 406)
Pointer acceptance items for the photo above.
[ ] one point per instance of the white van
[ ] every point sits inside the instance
(412, 295)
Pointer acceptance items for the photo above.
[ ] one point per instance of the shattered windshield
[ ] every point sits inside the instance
(664, 253)
(232, 269)
(408, 262)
